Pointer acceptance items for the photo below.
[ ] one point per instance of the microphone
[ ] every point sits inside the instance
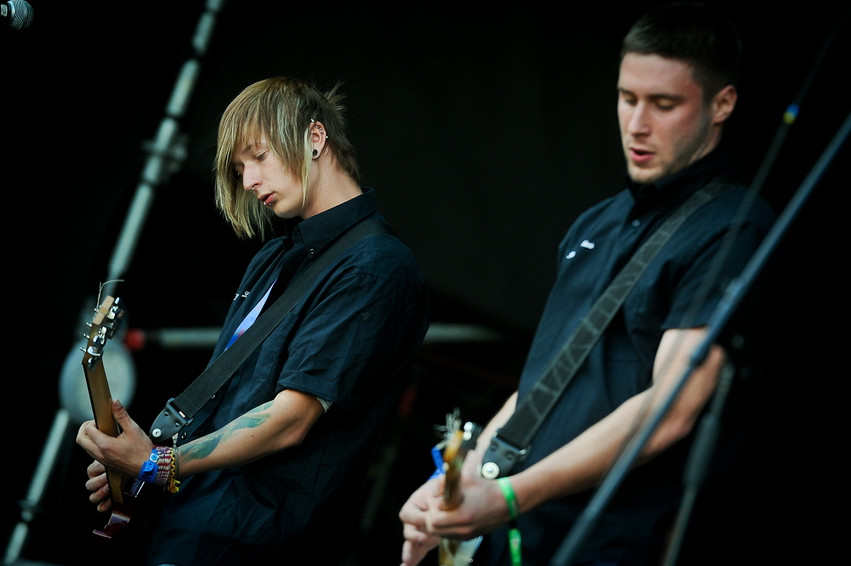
(18, 14)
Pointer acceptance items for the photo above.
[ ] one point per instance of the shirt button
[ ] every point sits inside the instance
(636, 223)
(311, 252)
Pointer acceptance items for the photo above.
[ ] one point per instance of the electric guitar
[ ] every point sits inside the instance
(459, 441)
(123, 489)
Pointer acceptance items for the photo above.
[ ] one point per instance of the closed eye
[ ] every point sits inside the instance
(666, 102)
(627, 98)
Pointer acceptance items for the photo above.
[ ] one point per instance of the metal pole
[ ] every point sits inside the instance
(165, 156)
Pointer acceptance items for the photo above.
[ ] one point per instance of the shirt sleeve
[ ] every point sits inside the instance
(709, 274)
(350, 335)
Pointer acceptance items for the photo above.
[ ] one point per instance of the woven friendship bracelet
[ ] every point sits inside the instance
(164, 472)
(172, 484)
(163, 464)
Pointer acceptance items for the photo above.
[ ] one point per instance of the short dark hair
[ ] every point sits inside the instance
(691, 32)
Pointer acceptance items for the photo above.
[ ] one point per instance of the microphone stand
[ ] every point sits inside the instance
(733, 295)
(164, 157)
(166, 152)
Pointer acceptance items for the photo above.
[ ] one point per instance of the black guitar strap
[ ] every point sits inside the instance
(508, 446)
(179, 411)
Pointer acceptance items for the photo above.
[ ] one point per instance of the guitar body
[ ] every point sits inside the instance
(123, 489)
(453, 552)
(459, 441)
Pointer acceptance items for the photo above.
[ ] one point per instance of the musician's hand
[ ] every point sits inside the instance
(482, 509)
(125, 452)
(418, 542)
(98, 485)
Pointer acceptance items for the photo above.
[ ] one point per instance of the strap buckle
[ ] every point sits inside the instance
(170, 419)
(500, 457)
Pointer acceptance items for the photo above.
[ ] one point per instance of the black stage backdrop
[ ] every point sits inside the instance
(485, 129)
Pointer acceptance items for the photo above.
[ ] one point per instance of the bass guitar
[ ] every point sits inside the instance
(459, 440)
(123, 489)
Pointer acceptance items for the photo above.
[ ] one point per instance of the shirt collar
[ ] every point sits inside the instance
(682, 183)
(320, 230)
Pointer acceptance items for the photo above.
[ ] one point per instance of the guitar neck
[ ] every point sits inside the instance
(454, 458)
(104, 325)
(453, 552)
(101, 399)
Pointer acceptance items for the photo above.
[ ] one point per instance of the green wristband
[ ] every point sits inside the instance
(514, 543)
(510, 499)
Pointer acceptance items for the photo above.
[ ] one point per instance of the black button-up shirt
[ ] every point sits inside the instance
(671, 290)
(350, 342)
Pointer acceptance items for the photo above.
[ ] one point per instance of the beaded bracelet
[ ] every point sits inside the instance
(513, 531)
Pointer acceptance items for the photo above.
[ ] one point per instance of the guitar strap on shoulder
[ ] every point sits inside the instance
(510, 443)
(179, 411)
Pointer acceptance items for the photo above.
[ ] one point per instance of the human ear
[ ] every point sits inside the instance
(723, 103)
(318, 136)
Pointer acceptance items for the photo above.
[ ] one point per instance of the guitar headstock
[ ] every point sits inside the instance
(104, 326)
(458, 439)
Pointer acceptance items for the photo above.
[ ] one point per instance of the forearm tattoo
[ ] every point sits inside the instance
(204, 446)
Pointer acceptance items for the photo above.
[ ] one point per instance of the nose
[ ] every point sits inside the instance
(638, 121)
(249, 179)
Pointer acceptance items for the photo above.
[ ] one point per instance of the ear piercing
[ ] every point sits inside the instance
(319, 128)
(315, 152)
